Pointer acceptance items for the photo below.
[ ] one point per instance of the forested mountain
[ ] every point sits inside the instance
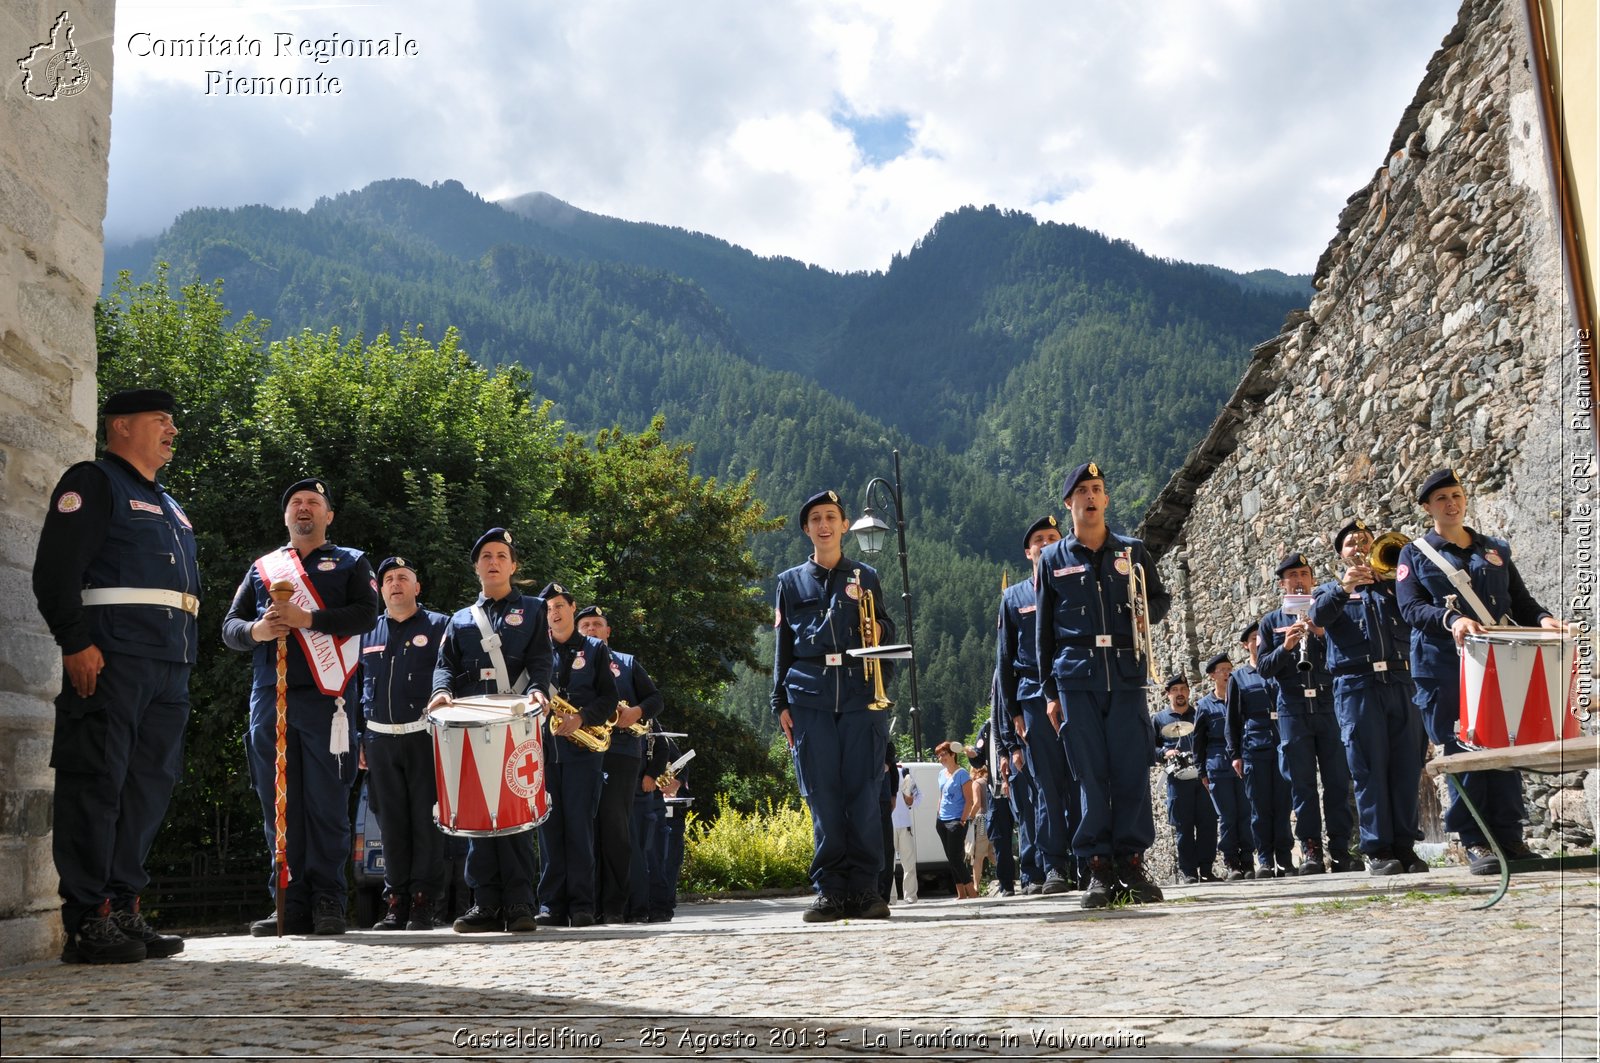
(994, 354)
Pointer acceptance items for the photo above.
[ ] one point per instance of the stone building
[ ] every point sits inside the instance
(55, 127)
(1440, 335)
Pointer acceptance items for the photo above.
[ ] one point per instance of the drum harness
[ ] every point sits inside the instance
(1458, 578)
(491, 643)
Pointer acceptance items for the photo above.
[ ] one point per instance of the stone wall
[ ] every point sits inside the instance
(1439, 335)
(54, 143)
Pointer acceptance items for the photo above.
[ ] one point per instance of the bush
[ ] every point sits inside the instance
(766, 849)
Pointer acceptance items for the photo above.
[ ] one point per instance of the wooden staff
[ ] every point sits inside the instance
(280, 592)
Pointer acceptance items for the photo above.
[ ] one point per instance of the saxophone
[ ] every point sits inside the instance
(596, 739)
(871, 638)
(640, 727)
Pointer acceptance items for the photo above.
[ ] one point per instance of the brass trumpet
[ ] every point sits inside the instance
(596, 739)
(1384, 557)
(871, 638)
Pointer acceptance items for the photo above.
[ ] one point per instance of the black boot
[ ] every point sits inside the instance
(1312, 862)
(395, 917)
(421, 912)
(133, 926)
(98, 939)
(1134, 882)
(1102, 883)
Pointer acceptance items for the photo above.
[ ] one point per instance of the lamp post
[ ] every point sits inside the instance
(871, 531)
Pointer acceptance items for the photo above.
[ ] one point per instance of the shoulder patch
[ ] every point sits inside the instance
(69, 502)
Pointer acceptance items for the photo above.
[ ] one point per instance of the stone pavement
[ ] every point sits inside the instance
(1332, 966)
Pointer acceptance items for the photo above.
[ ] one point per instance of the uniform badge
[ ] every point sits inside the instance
(145, 507)
(578, 661)
(514, 618)
(616, 669)
(1492, 556)
(69, 502)
(1122, 565)
(178, 512)
(1025, 610)
(373, 583)
(1401, 573)
(853, 591)
(327, 566)
(524, 772)
(419, 640)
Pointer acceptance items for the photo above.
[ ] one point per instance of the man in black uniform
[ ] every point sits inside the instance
(397, 660)
(617, 849)
(116, 581)
(335, 602)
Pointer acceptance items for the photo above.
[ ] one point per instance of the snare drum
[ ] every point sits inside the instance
(488, 761)
(1516, 687)
(1182, 766)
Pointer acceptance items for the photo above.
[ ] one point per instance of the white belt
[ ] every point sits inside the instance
(142, 596)
(397, 728)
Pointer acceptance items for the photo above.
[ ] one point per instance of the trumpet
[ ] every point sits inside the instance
(1384, 557)
(640, 727)
(596, 739)
(1144, 641)
(872, 637)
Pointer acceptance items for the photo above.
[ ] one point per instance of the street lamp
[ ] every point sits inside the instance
(871, 533)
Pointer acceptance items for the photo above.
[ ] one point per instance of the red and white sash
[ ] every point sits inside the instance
(333, 660)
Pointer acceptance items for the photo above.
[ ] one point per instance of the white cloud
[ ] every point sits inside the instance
(1227, 132)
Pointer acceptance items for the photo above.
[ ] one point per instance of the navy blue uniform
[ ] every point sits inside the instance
(118, 752)
(397, 661)
(1084, 628)
(1372, 693)
(1189, 809)
(1253, 738)
(1221, 781)
(582, 675)
(617, 847)
(500, 869)
(1309, 734)
(1436, 665)
(1019, 686)
(838, 741)
(647, 812)
(318, 782)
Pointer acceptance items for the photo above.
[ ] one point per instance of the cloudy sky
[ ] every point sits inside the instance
(833, 131)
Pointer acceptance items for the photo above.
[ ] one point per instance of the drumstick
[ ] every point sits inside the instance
(280, 592)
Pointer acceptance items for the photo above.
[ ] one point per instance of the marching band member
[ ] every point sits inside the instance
(582, 676)
(669, 840)
(1223, 784)
(496, 645)
(1253, 751)
(617, 847)
(1094, 686)
(1372, 698)
(334, 604)
(397, 660)
(1194, 821)
(126, 654)
(1431, 572)
(821, 699)
(1293, 654)
(648, 810)
(1020, 690)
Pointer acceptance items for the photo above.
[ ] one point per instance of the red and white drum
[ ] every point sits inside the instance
(1516, 687)
(488, 761)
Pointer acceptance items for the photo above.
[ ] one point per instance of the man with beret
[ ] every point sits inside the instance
(582, 676)
(1194, 821)
(335, 602)
(497, 645)
(1094, 687)
(1451, 583)
(1253, 751)
(1293, 654)
(1222, 783)
(117, 583)
(822, 701)
(397, 661)
(1368, 645)
(619, 850)
(1019, 689)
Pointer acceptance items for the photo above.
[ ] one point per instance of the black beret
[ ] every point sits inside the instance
(1211, 665)
(138, 400)
(493, 535)
(310, 483)
(820, 498)
(394, 562)
(1355, 525)
(1249, 629)
(1177, 680)
(1436, 479)
(1087, 471)
(556, 590)
(591, 610)
(1040, 525)
(1293, 559)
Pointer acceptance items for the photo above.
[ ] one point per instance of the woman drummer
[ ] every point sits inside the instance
(1442, 616)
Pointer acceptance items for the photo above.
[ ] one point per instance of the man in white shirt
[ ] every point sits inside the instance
(907, 798)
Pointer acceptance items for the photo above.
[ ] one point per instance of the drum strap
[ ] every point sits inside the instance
(491, 643)
(1458, 578)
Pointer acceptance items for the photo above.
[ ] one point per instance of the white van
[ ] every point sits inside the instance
(932, 867)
